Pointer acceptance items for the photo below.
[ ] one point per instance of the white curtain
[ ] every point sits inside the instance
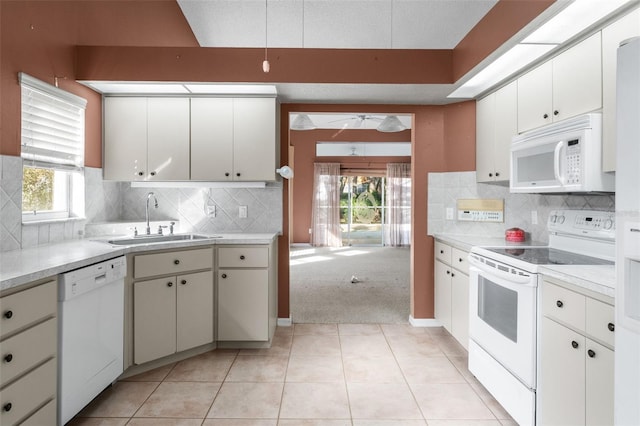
(398, 204)
(325, 222)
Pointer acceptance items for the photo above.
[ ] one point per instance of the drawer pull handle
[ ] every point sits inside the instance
(153, 173)
(545, 116)
(7, 407)
(8, 314)
(140, 173)
(8, 358)
(559, 304)
(224, 275)
(176, 262)
(183, 282)
(591, 353)
(574, 344)
(459, 259)
(169, 284)
(226, 174)
(242, 257)
(611, 326)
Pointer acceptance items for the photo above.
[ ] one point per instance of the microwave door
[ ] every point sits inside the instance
(536, 168)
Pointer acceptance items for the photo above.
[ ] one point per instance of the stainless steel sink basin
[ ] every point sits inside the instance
(150, 239)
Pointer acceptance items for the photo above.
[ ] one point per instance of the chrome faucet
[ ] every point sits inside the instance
(149, 195)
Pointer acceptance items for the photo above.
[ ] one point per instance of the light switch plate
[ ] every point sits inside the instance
(211, 210)
(242, 212)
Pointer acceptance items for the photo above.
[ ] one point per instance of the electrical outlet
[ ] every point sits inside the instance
(242, 212)
(534, 217)
(449, 213)
(211, 210)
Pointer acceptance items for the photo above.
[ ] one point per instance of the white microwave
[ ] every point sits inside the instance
(561, 157)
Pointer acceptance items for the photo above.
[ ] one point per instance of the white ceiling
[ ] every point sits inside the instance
(336, 24)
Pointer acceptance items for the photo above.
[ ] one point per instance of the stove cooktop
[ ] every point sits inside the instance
(548, 256)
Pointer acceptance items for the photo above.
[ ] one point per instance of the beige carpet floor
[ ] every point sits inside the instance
(322, 290)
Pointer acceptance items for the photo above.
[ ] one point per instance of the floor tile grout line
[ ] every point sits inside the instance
(221, 384)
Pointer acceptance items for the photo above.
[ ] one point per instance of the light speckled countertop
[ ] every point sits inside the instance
(598, 278)
(19, 267)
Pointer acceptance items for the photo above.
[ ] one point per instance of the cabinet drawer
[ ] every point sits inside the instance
(148, 265)
(27, 307)
(46, 416)
(564, 305)
(243, 257)
(27, 349)
(443, 252)
(600, 320)
(459, 260)
(24, 396)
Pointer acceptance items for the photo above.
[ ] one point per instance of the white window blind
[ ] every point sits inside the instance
(52, 125)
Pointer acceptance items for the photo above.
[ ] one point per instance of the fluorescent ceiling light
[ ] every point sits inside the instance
(363, 149)
(231, 89)
(573, 19)
(123, 87)
(515, 59)
(149, 88)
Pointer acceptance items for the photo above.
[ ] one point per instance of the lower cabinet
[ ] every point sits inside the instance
(576, 371)
(28, 349)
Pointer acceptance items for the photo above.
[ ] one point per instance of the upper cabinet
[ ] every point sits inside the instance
(496, 124)
(233, 139)
(625, 28)
(181, 139)
(568, 85)
(146, 139)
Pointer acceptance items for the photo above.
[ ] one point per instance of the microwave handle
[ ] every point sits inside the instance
(556, 162)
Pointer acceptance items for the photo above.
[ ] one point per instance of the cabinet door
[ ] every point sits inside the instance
(562, 387)
(577, 79)
(212, 139)
(624, 28)
(506, 119)
(243, 304)
(460, 307)
(485, 135)
(535, 98)
(154, 319)
(168, 139)
(443, 294)
(599, 384)
(125, 139)
(194, 310)
(254, 139)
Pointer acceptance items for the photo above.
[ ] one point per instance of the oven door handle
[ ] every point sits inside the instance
(524, 279)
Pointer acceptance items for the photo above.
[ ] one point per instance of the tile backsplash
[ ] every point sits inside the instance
(107, 201)
(446, 188)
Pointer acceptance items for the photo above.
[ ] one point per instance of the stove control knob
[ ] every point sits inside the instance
(608, 224)
(553, 218)
(560, 220)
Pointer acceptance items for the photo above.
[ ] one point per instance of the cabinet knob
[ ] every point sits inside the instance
(176, 262)
(183, 282)
(448, 272)
(453, 275)
(574, 344)
(153, 173)
(459, 259)
(8, 358)
(441, 251)
(8, 314)
(545, 116)
(226, 174)
(238, 174)
(556, 112)
(591, 353)
(242, 257)
(559, 303)
(7, 407)
(224, 275)
(611, 326)
(490, 174)
(169, 284)
(140, 173)
(497, 174)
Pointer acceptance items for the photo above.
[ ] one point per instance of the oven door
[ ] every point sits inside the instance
(502, 317)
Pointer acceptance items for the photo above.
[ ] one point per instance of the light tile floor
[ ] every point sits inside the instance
(313, 375)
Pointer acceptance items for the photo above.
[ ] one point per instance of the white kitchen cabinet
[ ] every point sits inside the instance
(576, 365)
(496, 124)
(451, 279)
(233, 139)
(247, 294)
(172, 313)
(568, 85)
(146, 139)
(626, 27)
(28, 350)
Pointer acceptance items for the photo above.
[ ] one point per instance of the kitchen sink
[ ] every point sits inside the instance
(150, 239)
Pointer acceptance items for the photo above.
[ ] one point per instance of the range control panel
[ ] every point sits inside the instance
(594, 223)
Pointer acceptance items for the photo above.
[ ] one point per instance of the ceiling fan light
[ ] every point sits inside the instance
(391, 124)
(302, 122)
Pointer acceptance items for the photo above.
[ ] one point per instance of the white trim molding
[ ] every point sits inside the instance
(285, 322)
(424, 322)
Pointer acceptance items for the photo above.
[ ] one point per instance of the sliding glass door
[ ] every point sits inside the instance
(362, 210)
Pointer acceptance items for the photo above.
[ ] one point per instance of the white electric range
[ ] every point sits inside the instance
(503, 300)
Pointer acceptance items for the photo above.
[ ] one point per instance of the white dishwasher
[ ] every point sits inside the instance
(91, 333)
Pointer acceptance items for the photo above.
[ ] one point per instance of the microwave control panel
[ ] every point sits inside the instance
(573, 154)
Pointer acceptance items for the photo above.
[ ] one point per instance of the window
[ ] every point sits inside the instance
(52, 151)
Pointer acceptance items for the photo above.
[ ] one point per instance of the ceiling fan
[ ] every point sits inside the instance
(357, 121)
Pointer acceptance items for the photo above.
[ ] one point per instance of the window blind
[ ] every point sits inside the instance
(52, 125)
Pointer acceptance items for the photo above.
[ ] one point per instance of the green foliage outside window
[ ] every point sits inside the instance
(37, 189)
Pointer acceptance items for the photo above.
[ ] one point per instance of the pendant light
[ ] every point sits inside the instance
(391, 124)
(302, 122)
(265, 64)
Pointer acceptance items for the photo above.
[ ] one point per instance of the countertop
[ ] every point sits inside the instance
(598, 278)
(19, 267)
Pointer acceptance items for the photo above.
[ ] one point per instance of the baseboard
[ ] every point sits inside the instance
(285, 322)
(424, 322)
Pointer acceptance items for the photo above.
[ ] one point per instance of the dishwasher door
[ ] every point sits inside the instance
(91, 333)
